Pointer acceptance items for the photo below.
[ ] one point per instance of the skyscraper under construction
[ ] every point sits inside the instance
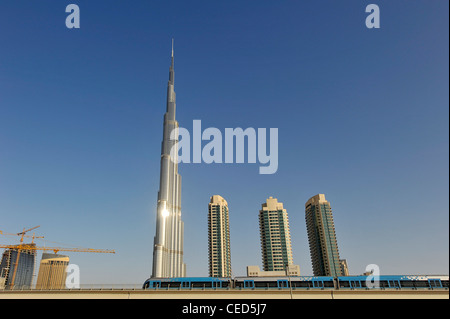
(17, 268)
(52, 271)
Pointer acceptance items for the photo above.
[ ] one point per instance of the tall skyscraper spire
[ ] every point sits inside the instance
(168, 241)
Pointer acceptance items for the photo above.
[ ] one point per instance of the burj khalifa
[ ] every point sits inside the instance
(168, 241)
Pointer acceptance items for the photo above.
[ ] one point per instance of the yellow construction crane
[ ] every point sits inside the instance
(22, 234)
(32, 247)
(56, 249)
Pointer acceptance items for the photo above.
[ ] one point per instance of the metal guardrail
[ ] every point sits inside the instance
(119, 287)
(82, 287)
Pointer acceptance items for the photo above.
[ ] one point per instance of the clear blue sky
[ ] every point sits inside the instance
(362, 117)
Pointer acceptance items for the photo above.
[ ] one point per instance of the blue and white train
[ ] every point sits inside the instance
(302, 282)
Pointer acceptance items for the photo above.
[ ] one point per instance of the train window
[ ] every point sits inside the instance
(302, 284)
(185, 284)
(197, 284)
(164, 284)
(272, 284)
(249, 284)
(175, 284)
(435, 283)
(355, 283)
(282, 283)
(407, 284)
(293, 284)
(208, 284)
(261, 284)
(201, 284)
(317, 284)
(394, 284)
(420, 284)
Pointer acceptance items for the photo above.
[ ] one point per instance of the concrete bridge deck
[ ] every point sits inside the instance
(224, 294)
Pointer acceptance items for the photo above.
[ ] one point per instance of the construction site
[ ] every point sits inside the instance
(18, 263)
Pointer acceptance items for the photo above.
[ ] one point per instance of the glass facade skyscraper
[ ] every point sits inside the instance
(275, 236)
(322, 237)
(168, 241)
(219, 238)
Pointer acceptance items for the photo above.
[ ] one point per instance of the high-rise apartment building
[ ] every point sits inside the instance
(322, 237)
(168, 240)
(219, 237)
(17, 268)
(52, 271)
(275, 236)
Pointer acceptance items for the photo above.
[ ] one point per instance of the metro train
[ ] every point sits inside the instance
(302, 282)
